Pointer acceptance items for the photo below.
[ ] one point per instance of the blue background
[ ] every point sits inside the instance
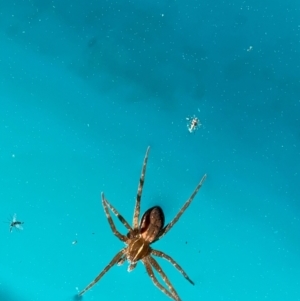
(86, 86)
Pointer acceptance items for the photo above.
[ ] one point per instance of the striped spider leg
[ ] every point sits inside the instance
(168, 227)
(136, 213)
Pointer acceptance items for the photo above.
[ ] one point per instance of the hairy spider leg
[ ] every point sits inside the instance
(168, 227)
(121, 260)
(118, 215)
(173, 262)
(104, 271)
(132, 266)
(154, 279)
(136, 214)
(110, 221)
(164, 277)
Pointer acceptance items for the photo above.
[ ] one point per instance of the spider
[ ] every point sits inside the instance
(141, 235)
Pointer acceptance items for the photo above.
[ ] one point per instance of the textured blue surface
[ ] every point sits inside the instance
(86, 86)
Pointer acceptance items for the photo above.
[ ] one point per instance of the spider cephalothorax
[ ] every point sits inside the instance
(141, 235)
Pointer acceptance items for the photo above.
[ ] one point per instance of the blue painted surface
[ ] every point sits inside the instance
(85, 87)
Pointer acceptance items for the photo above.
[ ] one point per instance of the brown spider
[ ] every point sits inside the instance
(141, 236)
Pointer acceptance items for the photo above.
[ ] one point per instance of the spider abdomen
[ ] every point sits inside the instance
(151, 223)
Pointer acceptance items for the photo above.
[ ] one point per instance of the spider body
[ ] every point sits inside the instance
(141, 235)
(139, 241)
(152, 223)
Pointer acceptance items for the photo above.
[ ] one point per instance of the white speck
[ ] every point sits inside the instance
(13, 155)
(162, 15)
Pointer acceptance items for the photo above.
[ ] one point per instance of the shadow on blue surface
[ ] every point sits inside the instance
(10, 295)
(6, 296)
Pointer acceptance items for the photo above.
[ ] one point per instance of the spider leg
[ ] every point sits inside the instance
(121, 260)
(136, 214)
(173, 262)
(154, 279)
(118, 215)
(104, 271)
(131, 266)
(168, 227)
(110, 221)
(164, 277)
